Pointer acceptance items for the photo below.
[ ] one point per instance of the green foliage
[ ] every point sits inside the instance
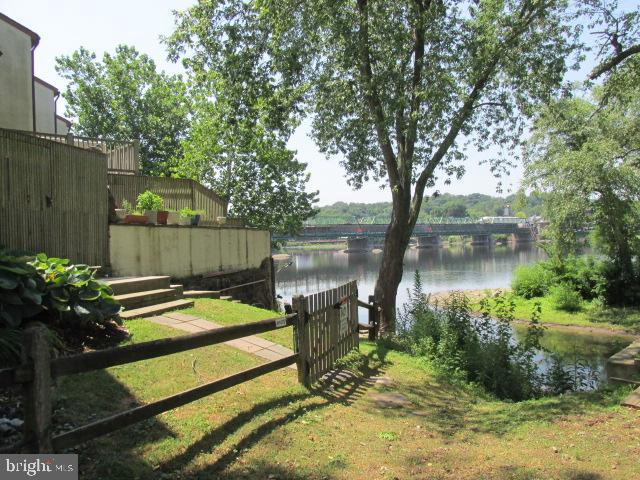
(480, 351)
(124, 97)
(396, 89)
(475, 205)
(187, 212)
(388, 436)
(126, 205)
(531, 281)
(584, 154)
(72, 293)
(565, 298)
(52, 291)
(148, 200)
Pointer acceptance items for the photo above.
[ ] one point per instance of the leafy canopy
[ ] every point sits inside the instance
(124, 97)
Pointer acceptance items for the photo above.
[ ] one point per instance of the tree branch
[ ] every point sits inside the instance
(373, 98)
(614, 61)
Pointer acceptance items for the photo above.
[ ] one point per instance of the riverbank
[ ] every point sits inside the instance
(304, 246)
(391, 418)
(591, 318)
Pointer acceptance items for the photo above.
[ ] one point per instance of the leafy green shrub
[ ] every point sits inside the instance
(583, 274)
(187, 212)
(565, 298)
(65, 297)
(149, 201)
(531, 281)
(461, 347)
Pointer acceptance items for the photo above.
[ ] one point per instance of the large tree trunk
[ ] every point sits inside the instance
(391, 269)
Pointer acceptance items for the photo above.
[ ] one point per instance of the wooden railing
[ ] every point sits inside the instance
(122, 156)
(38, 370)
(177, 193)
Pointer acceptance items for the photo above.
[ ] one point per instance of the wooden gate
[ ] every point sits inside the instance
(327, 330)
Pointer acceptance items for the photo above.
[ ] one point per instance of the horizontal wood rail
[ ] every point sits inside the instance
(135, 415)
(38, 370)
(110, 357)
(235, 287)
(364, 305)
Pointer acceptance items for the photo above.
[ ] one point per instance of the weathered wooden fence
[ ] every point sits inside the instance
(122, 156)
(53, 198)
(177, 193)
(327, 331)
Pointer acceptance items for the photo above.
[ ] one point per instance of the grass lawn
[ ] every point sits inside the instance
(229, 313)
(271, 428)
(620, 319)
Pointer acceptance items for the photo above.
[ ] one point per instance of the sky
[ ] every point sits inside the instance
(99, 26)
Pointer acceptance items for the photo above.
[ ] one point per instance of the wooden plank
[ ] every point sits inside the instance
(242, 285)
(135, 415)
(86, 362)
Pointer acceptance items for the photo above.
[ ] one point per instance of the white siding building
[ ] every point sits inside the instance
(26, 102)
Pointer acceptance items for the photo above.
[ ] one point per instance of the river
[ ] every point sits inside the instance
(446, 268)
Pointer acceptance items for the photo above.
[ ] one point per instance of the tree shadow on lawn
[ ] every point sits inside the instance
(339, 386)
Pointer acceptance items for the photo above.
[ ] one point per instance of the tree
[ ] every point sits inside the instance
(398, 89)
(586, 156)
(124, 97)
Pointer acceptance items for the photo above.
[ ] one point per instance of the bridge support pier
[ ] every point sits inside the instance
(357, 245)
(428, 241)
(482, 239)
(522, 236)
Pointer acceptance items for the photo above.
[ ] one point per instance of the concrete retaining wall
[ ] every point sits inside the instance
(182, 252)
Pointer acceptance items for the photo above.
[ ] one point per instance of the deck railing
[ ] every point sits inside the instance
(122, 156)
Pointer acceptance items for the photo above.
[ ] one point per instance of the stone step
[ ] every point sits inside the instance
(147, 297)
(122, 286)
(156, 309)
(179, 289)
(228, 298)
(201, 294)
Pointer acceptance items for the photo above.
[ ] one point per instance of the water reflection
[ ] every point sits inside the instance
(459, 267)
(449, 268)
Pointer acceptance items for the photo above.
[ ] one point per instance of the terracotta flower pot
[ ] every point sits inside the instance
(162, 217)
(139, 219)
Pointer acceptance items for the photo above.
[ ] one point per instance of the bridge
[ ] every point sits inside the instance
(427, 234)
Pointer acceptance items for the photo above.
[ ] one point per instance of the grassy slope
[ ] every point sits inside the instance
(229, 313)
(589, 316)
(272, 426)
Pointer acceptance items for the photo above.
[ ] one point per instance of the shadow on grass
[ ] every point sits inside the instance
(340, 386)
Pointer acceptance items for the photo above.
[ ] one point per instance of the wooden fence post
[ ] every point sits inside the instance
(37, 393)
(373, 318)
(299, 305)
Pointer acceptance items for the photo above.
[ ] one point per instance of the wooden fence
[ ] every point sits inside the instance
(178, 193)
(53, 198)
(328, 330)
(122, 156)
(325, 328)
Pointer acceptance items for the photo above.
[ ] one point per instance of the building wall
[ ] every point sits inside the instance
(183, 252)
(62, 128)
(16, 95)
(45, 109)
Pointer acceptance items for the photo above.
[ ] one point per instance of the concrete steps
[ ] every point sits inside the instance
(121, 286)
(145, 298)
(157, 309)
(148, 296)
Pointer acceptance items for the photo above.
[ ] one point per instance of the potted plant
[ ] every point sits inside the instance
(133, 216)
(152, 203)
(121, 213)
(190, 217)
(173, 218)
